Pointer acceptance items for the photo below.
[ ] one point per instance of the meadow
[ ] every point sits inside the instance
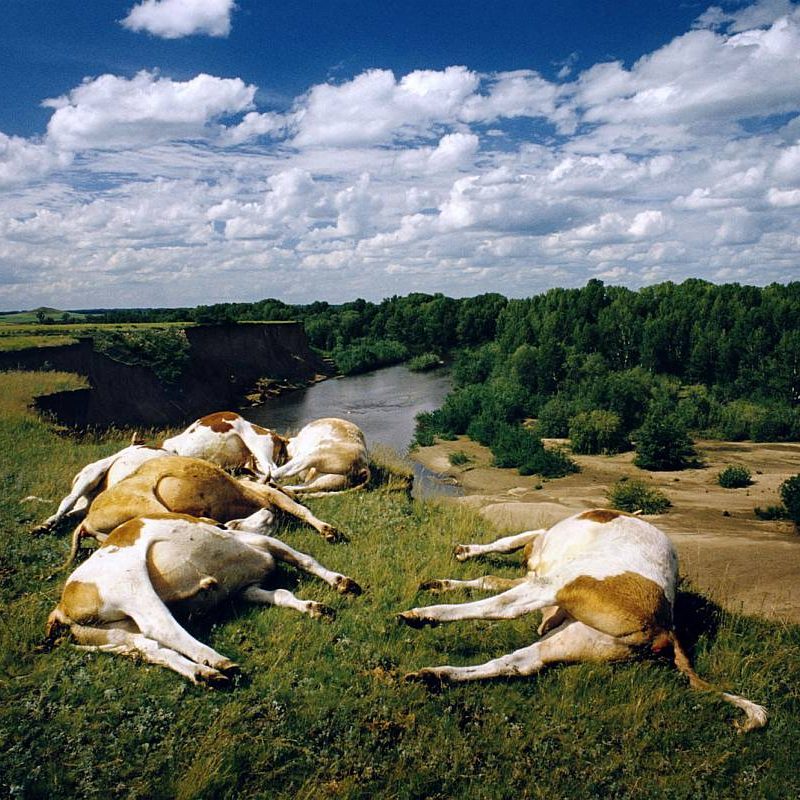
(321, 709)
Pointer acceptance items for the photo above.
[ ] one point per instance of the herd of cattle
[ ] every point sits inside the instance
(177, 530)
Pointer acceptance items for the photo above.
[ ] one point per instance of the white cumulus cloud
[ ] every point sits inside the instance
(111, 112)
(173, 19)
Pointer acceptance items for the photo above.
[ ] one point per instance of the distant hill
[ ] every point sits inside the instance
(36, 315)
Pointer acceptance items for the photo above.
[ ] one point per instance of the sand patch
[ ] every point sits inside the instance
(743, 563)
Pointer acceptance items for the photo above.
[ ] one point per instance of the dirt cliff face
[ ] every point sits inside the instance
(225, 361)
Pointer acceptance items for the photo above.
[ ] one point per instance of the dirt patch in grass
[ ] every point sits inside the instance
(745, 564)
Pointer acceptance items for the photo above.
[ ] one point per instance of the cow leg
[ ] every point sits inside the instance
(142, 604)
(528, 596)
(259, 447)
(321, 483)
(83, 486)
(286, 504)
(283, 597)
(281, 551)
(486, 583)
(508, 544)
(572, 642)
(294, 466)
(136, 645)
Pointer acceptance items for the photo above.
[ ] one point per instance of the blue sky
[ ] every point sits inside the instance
(177, 152)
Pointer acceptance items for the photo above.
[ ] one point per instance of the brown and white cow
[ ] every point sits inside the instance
(119, 599)
(224, 438)
(329, 455)
(187, 486)
(230, 441)
(607, 581)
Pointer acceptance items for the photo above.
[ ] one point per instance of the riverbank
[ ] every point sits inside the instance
(745, 564)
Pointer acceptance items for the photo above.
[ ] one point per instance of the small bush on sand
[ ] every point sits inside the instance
(734, 477)
(458, 458)
(636, 495)
(770, 512)
(597, 431)
(790, 494)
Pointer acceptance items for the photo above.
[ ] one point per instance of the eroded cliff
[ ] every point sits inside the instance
(225, 363)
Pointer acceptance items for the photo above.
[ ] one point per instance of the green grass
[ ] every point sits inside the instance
(321, 710)
(17, 336)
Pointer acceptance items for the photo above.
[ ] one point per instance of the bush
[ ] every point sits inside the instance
(424, 362)
(165, 351)
(734, 477)
(636, 495)
(458, 458)
(554, 417)
(790, 494)
(597, 431)
(771, 512)
(364, 356)
(662, 442)
(515, 446)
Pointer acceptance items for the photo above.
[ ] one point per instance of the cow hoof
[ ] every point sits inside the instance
(433, 586)
(332, 535)
(228, 668)
(413, 621)
(461, 552)
(345, 585)
(320, 611)
(210, 677)
(41, 530)
(430, 678)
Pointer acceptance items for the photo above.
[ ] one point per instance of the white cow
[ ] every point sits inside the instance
(224, 438)
(329, 455)
(607, 582)
(228, 440)
(119, 599)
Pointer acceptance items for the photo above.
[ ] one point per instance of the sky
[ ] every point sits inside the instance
(186, 152)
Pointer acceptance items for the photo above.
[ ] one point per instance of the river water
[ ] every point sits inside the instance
(383, 404)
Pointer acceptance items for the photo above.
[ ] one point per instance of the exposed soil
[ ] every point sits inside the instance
(743, 563)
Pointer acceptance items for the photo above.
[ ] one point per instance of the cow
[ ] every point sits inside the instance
(186, 486)
(98, 476)
(224, 438)
(607, 580)
(119, 599)
(329, 455)
(230, 441)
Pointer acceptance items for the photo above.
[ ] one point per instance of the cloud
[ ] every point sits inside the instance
(758, 15)
(110, 112)
(173, 19)
(180, 192)
(699, 78)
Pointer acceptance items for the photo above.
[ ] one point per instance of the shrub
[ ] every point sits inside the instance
(165, 351)
(515, 446)
(790, 494)
(734, 477)
(364, 356)
(662, 442)
(424, 362)
(458, 458)
(597, 431)
(636, 495)
(554, 417)
(771, 512)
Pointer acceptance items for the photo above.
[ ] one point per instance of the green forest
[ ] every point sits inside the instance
(605, 366)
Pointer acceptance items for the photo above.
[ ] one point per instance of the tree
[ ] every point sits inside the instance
(662, 442)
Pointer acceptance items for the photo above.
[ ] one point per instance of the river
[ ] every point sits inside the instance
(383, 404)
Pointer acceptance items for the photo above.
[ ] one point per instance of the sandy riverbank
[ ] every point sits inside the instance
(743, 563)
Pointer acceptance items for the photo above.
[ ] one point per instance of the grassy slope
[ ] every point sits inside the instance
(320, 710)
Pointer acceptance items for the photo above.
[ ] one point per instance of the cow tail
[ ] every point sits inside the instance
(756, 715)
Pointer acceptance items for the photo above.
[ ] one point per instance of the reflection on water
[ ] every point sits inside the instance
(382, 403)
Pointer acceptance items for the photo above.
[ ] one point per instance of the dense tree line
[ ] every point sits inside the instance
(601, 364)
